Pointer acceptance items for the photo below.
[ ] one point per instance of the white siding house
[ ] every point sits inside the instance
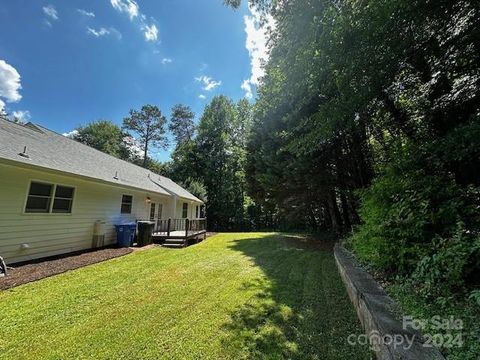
(53, 190)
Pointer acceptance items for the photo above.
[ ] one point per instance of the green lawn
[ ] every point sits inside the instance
(233, 296)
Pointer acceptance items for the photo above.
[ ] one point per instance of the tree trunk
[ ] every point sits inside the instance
(345, 212)
(400, 117)
(145, 153)
(336, 221)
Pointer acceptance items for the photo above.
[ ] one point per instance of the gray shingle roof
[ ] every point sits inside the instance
(48, 149)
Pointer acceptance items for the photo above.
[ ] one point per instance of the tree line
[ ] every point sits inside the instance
(208, 158)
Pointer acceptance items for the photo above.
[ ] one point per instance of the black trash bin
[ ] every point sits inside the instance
(145, 230)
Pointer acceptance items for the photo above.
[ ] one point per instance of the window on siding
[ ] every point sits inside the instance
(39, 198)
(126, 207)
(152, 211)
(185, 210)
(197, 211)
(160, 210)
(62, 203)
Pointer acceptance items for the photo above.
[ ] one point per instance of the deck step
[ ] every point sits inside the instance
(174, 245)
(175, 241)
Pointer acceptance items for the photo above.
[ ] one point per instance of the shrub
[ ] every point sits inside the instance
(444, 271)
(421, 229)
(407, 207)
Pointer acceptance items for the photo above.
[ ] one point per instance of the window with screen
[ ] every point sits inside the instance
(49, 198)
(127, 201)
(152, 211)
(62, 202)
(160, 210)
(185, 210)
(39, 198)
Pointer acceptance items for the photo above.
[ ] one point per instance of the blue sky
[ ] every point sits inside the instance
(66, 63)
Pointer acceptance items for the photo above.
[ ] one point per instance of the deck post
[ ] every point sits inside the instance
(187, 224)
(168, 226)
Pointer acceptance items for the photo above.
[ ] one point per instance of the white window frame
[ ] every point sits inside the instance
(159, 211)
(183, 209)
(121, 204)
(153, 205)
(52, 199)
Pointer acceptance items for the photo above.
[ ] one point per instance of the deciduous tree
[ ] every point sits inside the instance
(104, 135)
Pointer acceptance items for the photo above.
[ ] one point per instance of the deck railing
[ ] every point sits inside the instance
(195, 225)
(189, 226)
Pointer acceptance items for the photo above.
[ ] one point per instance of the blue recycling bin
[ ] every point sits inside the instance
(125, 234)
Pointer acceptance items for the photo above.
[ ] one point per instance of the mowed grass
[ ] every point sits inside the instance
(233, 296)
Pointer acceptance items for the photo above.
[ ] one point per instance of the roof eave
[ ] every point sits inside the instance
(66, 173)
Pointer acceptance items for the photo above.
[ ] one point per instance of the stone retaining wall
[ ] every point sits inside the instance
(376, 311)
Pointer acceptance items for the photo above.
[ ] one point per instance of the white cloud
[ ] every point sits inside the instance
(201, 96)
(86, 13)
(22, 115)
(9, 84)
(70, 134)
(166, 61)
(126, 6)
(150, 32)
(104, 32)
(247, 87)
(133, 145)
(208, 82)
(9, 90)
(97, 33)
(256, 44)
(131, 8)
(50, 11)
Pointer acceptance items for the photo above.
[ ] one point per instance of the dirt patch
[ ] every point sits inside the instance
(146, 247)
(316, 242)
(28, 272)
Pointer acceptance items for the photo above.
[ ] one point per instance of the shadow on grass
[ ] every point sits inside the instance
(298, 307)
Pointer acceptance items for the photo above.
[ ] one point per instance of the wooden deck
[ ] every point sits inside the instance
(179, 232)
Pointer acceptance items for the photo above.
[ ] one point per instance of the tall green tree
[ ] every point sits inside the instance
(195, 187)
(105, 136)
(346, 85)
(181, 124)
(185, 165)
(186, 162)
(148, 126)
(221, 155)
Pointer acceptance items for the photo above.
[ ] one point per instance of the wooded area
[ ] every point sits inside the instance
(367, 123)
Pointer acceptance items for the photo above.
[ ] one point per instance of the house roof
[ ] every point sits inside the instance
(47, 149)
